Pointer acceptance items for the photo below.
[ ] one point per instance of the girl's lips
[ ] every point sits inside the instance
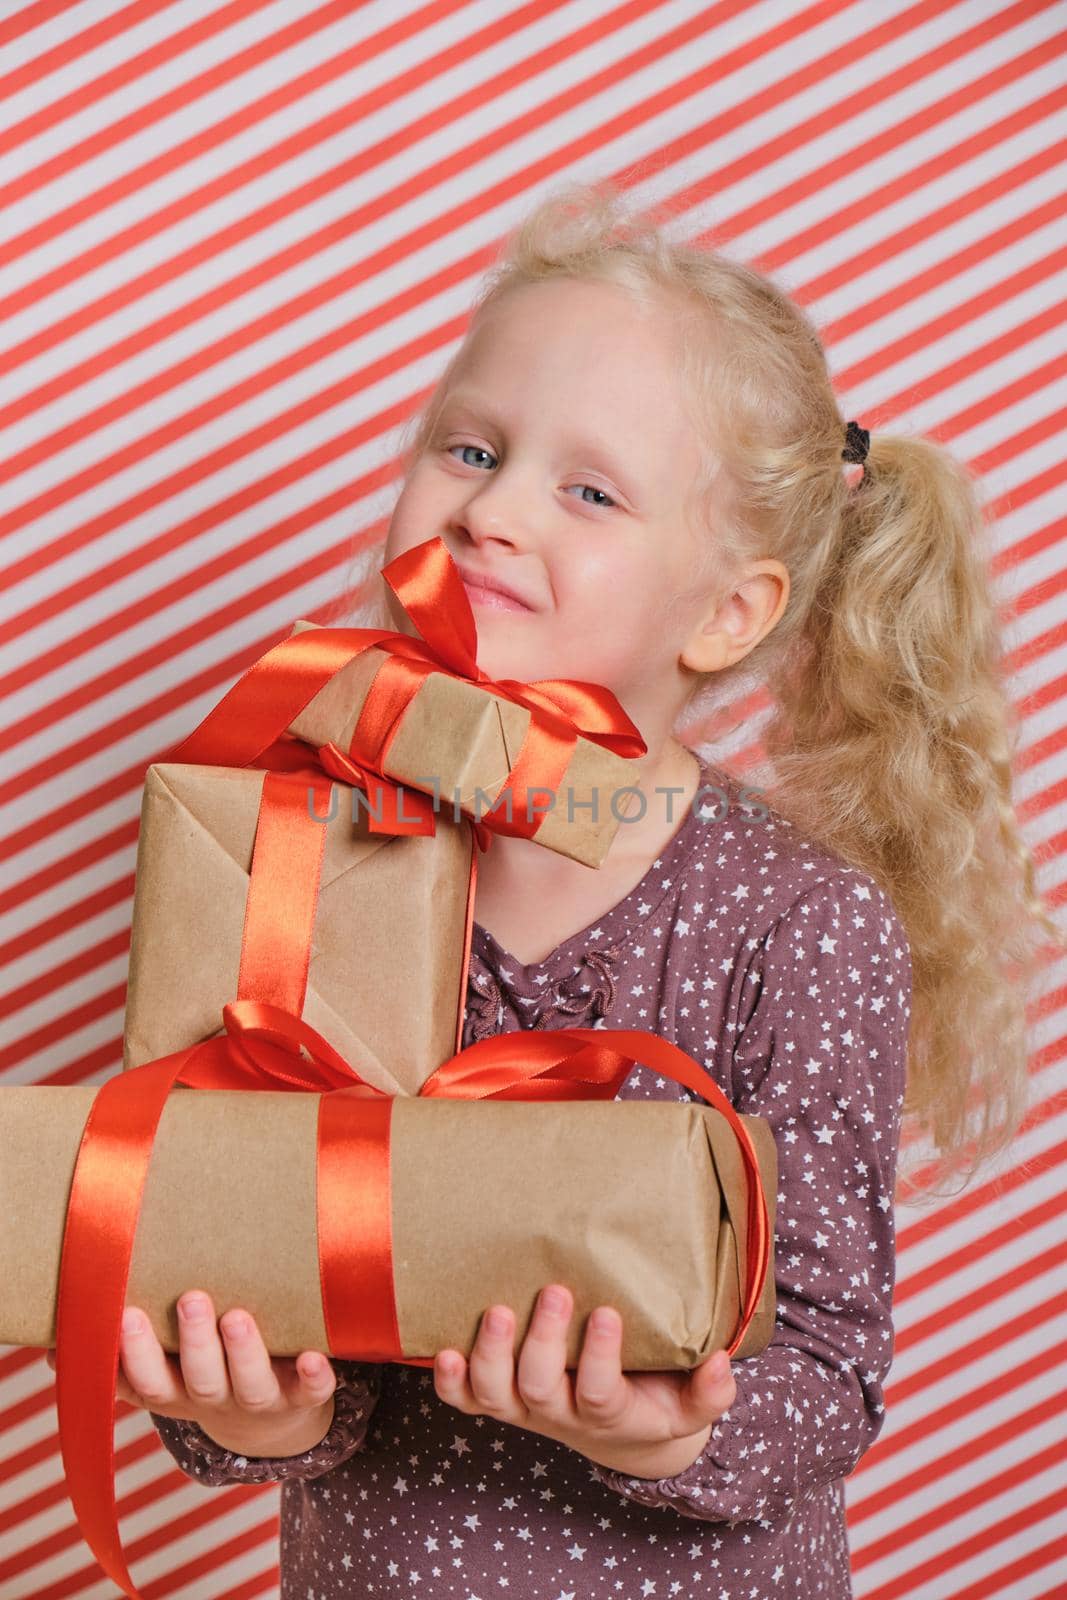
(479, 596)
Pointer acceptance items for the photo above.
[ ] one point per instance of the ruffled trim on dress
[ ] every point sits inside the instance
(574, 998)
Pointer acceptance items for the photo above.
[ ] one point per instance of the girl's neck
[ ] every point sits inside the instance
(520, 864)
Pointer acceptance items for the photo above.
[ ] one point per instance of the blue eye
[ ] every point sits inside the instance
(468, 447)
(596, 490)
(601, 504)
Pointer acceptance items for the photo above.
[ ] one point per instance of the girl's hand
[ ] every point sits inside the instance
(621, 1420)
(230, 1386)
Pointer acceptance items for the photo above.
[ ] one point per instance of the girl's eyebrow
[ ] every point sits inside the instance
(476, 407)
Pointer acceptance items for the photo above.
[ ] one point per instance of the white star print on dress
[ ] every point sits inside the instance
(786, 974)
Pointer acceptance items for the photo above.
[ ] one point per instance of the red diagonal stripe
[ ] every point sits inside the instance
(31, 16)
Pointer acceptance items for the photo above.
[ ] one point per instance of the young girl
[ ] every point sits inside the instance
(638, 440)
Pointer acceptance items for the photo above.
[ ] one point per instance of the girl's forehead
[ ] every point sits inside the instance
(558, 307)
(595, 365)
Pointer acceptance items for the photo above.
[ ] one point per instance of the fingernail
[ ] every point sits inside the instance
(604, 1321)
(131, 1321)
(237, 1327)
(193, 1310)
(498, 1322)
(553, 1299)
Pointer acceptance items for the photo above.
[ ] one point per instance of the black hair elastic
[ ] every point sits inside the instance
(857, 443)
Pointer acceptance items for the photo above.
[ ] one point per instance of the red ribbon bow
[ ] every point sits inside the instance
(247, 725)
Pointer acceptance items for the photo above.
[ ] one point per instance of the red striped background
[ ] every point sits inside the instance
(237, 244)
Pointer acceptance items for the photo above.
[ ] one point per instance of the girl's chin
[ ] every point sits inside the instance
(495, 658)
(505, 649)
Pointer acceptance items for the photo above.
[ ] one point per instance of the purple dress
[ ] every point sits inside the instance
(786, 974)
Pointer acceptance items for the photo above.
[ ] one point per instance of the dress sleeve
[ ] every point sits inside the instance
(820, 1052)
(358, 1388)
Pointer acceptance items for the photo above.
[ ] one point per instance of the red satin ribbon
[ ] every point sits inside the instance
(261, 1049)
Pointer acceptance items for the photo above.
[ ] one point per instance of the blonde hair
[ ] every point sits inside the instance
(892, 733)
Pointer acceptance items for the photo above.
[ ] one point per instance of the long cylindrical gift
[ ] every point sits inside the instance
(353, 1181)
(640, 1206)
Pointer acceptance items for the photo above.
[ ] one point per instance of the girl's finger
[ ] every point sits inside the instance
(314, 1379)
(492, 1362)
(123, 1389)
(200, 1352)
(599, 1388)
(707, 1392)
(252, 1377)
(713, 1386)
(542, 1369)
(153, 1381)
(451, 1382)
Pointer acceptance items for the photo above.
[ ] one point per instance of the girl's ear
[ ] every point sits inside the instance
(739, 620)
(708, 650)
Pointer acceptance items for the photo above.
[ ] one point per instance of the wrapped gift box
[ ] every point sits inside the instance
(467, 739)
(638, 1205)
(387, 953)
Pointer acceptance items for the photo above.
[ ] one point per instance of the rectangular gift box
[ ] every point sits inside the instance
(638, 1205)
(385, 971)
(467, 739)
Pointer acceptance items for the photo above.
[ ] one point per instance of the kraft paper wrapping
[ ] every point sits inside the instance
(390, 922)
(468, 739)
(638, 1205)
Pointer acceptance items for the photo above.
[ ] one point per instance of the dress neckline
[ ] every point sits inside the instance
(614, 927)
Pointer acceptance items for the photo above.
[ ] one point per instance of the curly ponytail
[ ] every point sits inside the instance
(893, 742)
